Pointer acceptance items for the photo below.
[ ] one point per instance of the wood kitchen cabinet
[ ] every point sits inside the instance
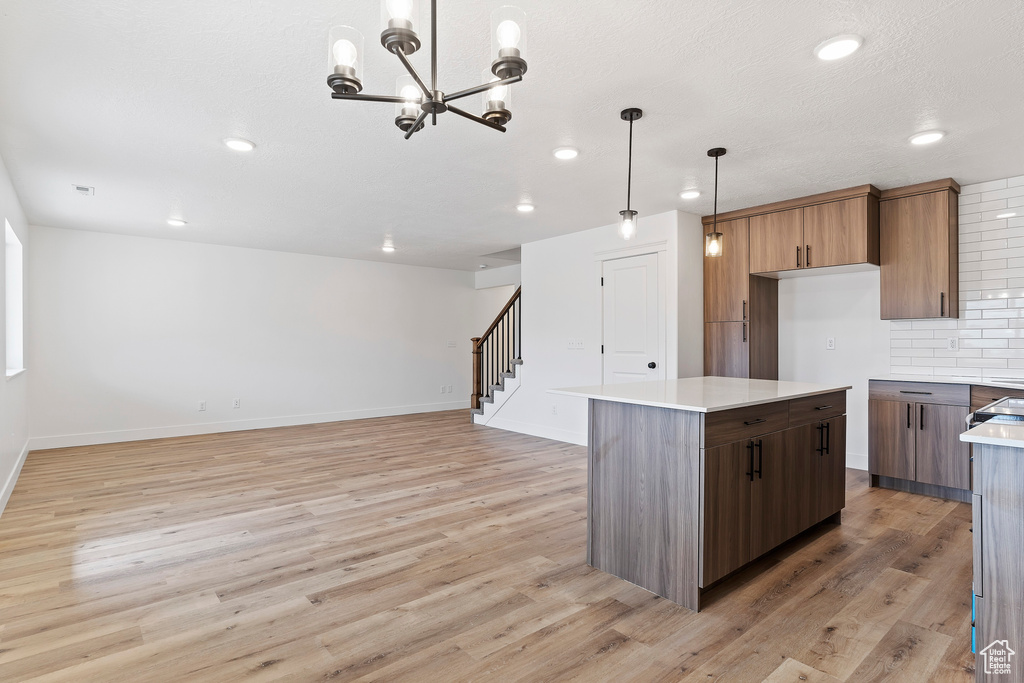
(748, 348)
(832, 229)
(914, 437)
(919, 228)
(726, 293)
(841, 233)
(776, 241)
(764, 490)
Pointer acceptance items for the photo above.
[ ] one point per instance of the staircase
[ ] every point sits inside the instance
(496, 356)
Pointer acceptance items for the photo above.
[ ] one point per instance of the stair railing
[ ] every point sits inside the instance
(499, 349)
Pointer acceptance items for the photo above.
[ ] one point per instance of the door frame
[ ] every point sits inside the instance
(669, 361)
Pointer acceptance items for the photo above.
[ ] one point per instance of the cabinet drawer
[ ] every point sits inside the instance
(814, 408)
(727, 426)
(920, 392)
(981, 396)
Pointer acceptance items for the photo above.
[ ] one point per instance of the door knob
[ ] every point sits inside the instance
(652, 365)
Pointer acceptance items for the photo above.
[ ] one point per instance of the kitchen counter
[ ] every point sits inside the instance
(701, 394)
(994, 433)
(1007, 383)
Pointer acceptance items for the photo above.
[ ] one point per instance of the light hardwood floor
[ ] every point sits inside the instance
(423, 548)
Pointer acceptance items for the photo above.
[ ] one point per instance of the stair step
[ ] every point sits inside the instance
(517, 361)
(476, 411)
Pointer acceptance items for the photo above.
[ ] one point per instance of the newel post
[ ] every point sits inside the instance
(474, 400)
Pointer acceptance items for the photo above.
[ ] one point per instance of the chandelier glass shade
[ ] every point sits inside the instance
(414, 99)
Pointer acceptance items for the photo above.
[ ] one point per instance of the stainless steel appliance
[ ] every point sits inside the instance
(1003, 410)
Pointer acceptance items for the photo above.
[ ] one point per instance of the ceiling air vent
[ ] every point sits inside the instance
(84, 190)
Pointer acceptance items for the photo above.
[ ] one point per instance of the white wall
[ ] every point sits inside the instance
(562, 300)
(13, 391)
(489, 302)
(130, 333)
(847, 307)
(500, 277)
(991, 325)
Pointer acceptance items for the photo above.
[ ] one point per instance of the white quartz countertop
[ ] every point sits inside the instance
(996, 434)
(1008, 383)
(701, 394)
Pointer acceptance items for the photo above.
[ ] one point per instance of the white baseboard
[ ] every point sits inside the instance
(857, 461)
(12, 478)
(578, 438)
(95, 438)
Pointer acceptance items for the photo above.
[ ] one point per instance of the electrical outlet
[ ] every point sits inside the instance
(237, 403)
(575, 343)
(830, 344)
(449, 388)
(554, 410)
(202, 406)
(442, 388)
(451, 345)
(953, 343)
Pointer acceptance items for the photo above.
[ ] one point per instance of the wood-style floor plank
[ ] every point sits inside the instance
(425, 548)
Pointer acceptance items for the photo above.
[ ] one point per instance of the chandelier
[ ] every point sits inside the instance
(413, 100)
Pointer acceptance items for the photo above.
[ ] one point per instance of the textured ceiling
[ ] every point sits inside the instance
(134, 97)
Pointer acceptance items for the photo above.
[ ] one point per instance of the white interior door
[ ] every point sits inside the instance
(632, 339)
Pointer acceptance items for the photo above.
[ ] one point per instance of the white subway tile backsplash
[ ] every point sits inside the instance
(984, 187)
(936, 362)
(1001, 232)
(901, 343)
(1008, 333)
(911, 334)
(968, 199)
(1001, 194)
(1014, 182)
(983, 343)
(1003, 353)
(986, 304)
(910, 353)
(958, 373)
(967, 325)
(933, 324)
(981, 362)
(987, 265)
(1001, 313)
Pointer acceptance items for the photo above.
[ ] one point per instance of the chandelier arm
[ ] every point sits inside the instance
(471, 117)
(416, 125)
(433, 48)
(481, 88)
(369, 98)
(412, 72)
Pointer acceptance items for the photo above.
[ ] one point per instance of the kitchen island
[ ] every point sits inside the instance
(691, 479)
(998, 525)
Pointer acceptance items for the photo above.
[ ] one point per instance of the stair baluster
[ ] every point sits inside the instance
(497, 352)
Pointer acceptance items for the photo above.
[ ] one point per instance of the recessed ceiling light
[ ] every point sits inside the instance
(387, 249)
(689, 194)
(240, 145)
(927, 138)
(176, 222)
(1007, 215)
(524, 208)
(566, 153)
(838, 47)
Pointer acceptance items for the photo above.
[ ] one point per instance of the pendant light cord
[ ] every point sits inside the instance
(629, 176)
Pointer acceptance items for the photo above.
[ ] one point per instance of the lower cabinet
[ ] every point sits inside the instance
(761, 492)
(917, 439)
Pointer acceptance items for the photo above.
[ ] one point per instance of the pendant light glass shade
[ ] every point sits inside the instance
(508, 42)
(627, 224)
(713, 241)
(713, 244)
(345, 58)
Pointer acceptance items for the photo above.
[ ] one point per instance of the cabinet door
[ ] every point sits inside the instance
(726, 515)
(781, 495)
(915, 254)
(942, 458)
(831, 438)
(727, 349)
(776, 241)
(725, 277)
(841, 233)
(891, 426)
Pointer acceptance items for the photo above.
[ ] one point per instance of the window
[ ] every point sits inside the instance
(15, 303)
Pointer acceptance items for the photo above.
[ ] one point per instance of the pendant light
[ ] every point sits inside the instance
(713, 240)
(627, 222)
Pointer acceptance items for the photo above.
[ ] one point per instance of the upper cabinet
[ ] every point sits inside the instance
(920, 251)
(841, 233)
(776, 241)
(832, 229)
(726, 296)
